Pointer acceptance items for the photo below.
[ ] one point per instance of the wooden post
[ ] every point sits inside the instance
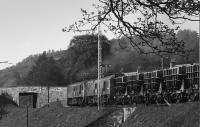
(48, 94)
(99, 62)
(199, 56)
(26, 115)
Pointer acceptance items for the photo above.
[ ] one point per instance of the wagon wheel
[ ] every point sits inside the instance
(122, 101)
(178, 99)
(159, 99)
(132, 100)
(192, 97)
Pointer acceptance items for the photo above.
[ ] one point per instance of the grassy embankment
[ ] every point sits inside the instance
(178, 115)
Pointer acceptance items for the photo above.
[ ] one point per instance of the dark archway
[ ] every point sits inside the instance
(28, 99)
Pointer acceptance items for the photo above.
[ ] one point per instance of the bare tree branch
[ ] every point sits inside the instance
(153, 35)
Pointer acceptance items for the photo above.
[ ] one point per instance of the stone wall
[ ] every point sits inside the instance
(55, 93)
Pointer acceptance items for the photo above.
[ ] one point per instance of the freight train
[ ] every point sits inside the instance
(176, 84)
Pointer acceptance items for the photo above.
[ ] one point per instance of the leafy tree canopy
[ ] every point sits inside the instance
(142, 19)
(45, 72)
(191, 43)
(82, 55)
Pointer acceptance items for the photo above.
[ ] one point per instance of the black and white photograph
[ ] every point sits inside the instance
(99, 63)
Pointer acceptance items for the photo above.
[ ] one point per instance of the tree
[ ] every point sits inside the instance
(45, 72)
(191, 43)
(123, 57)
(86, 48)
(18, 78)
(81, 55)
(142, 19)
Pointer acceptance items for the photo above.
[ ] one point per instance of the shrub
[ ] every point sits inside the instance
(5, 99)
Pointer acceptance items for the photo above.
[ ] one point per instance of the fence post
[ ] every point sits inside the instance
(27, 115)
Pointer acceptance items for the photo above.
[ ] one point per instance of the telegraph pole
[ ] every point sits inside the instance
(199, 57)
(48, 94)
(99, 60)
(162, 62)
(26, 115)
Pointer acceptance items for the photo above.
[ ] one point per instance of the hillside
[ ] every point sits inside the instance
(54, 116)
(79, 61)
(9, 76)
(178, 115)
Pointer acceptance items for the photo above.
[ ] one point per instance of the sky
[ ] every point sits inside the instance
(33, 26)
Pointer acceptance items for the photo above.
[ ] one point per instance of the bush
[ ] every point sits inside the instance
(5, 99)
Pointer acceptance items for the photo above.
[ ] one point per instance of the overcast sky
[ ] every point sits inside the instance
(33, 26)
